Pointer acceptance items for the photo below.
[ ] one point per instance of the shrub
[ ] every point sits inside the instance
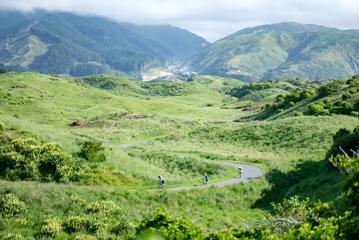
(352, 187)
(354, 81)
(11, 206)
(279, 98)
(343, 140)
(354, 114)
(123, 227)
(51, 227)
(92, 151)
(342, 227)
(304, 210)
(318, 109)
(82, 236)
(280, 110)
(249, 88)
(75, 224)
(103, 207)
(257, 233)
(341, 107)
(330, 88)
(308, 93)
(297, 113)
(11, 236)
(326, 101)
(167, 88)
(346, 96)
(162, 223)
(97, 226)
(27, 158)
(291, 104)
(99, 81)
(2, 127)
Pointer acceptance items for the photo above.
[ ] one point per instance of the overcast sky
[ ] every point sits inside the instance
(211, 19)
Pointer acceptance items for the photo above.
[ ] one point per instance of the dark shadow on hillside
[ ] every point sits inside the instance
(313, 179)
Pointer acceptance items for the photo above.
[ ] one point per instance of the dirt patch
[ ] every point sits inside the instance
(128, 115)
(93, 124)
(20, 85)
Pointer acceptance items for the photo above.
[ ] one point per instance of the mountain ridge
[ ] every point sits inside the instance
(87, 45)
(280, 51)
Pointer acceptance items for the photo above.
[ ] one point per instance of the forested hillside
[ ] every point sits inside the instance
(64, 43)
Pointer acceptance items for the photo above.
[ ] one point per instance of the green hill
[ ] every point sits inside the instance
(280, 99)
(63, 43)
(80, 158)
(282, 51)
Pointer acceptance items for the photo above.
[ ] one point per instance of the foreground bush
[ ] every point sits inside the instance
(24, 158)
(161, 225)
(341, 153)
(51, 227)
(11, 206)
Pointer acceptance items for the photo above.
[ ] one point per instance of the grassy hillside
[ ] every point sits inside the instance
(179, 130)
(339, 97)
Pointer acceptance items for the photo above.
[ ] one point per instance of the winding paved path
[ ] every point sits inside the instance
(249, 172)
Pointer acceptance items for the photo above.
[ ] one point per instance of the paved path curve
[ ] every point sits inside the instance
(249, 172)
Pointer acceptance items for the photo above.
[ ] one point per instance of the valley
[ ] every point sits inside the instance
(178, 130)
(142, 130)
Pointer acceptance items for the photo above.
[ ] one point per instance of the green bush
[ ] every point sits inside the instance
(11, 206)
(297, 113)
(51, 227)
(318, 109)
(352, 187)
(11, 236)
(342, 107)
(93, 151)
(330, 88)
(123, 227)
(99, 81)
(163, 224)
(279, 98)
(327, 102)
(98, 226)
(167, 88)
(333, 228)
(346, 96)
(303, 210)
(240, 92)
(107, 208)
(29, 159)
(347, 141)
(2, 127)
(354, 114)
(291, 104)
(75, 224)
(280, 110)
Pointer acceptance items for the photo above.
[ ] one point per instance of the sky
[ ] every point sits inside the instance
(211, 19)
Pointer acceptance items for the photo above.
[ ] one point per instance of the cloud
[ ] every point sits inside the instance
(212, 19)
